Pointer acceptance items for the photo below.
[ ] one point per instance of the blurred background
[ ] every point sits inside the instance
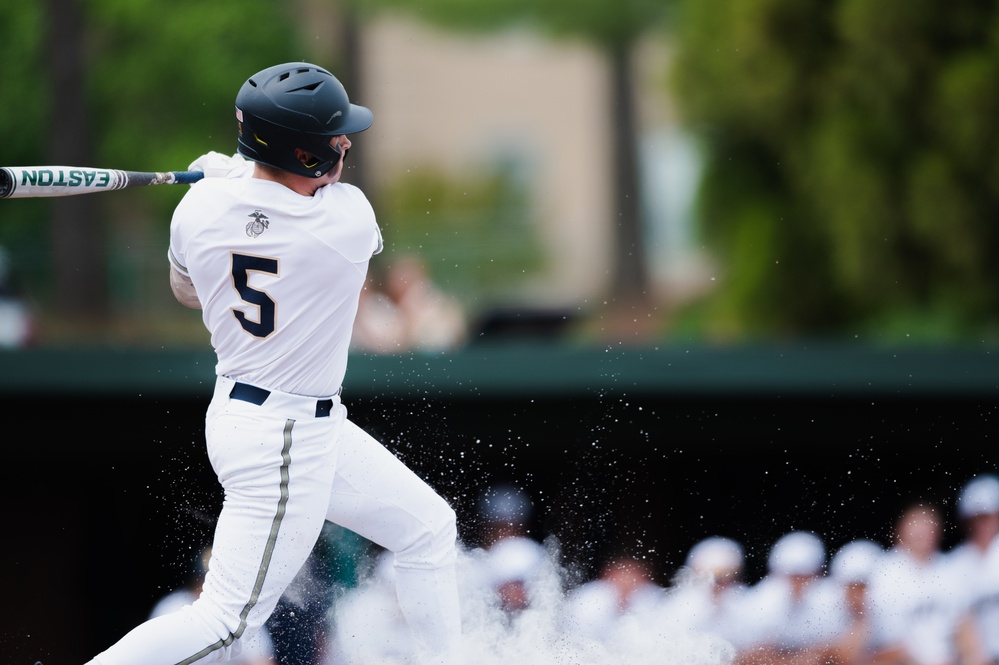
(709, 267)
(653, 169)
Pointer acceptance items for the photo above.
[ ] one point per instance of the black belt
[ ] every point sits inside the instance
(254, 395)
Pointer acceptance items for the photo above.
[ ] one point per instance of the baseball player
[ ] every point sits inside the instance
(275, 250)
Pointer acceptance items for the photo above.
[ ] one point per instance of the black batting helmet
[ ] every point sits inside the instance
(295, 105)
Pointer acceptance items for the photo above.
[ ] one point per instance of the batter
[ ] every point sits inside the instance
(274, 250)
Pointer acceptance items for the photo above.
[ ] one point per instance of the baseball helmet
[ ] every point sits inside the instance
(979, 497)
(854, 562)
(797, 553)
(295, 105)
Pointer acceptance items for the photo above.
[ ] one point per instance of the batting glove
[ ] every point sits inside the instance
(216, 165)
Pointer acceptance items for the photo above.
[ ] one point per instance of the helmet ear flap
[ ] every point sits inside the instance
(308, 160)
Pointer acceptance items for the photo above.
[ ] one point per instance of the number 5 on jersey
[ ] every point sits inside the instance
(242, 266)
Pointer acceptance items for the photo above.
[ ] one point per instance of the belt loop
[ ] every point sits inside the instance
(323, 408)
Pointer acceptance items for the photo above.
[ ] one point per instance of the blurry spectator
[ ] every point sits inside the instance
(512, 560)
(605, 608)
(514, 568)
(913, 607)
(974, 568)
(978, 517)
(708, 592)
(434, 320)
(851, 569)
(259, 651)
(410, 312)
(17, 322)
(794, 609)
(978, 632)
(505, 511)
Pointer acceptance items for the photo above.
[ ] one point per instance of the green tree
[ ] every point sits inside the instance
(853, 163)
(474, 232)
(131, 84)
(27, 95)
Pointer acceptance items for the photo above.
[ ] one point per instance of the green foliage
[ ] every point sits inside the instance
(468, 15)
(476, 234)
(160, 80)
(614, 24)
(23, 84)
(164, 76)
(23, 115)
(853, 161)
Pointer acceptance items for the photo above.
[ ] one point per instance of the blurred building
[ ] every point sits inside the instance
(461, 102)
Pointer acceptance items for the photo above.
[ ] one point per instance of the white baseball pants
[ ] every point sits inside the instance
(284, 471)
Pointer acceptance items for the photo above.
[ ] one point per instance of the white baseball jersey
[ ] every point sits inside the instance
(982, 597)
(782, 620)
(281, 312)
(697, 604)
(913, 604)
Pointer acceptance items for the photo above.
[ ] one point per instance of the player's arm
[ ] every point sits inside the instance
(183, 289)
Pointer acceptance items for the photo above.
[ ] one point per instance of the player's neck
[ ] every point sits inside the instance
(296, 183)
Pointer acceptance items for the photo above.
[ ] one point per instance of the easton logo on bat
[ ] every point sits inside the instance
(30, 181)
(60, 178)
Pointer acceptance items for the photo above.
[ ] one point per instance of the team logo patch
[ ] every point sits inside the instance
(258, 224)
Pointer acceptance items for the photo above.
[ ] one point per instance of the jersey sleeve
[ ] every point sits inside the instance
(361, 231)
(176, 263)
(176, 254)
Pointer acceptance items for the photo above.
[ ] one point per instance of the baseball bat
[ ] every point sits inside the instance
(35, 181)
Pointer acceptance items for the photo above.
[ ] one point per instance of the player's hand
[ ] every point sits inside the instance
(216, 165)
